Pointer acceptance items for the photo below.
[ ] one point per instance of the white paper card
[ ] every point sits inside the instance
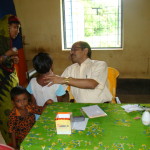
(93, 111)
(131, 107)
(81, 125)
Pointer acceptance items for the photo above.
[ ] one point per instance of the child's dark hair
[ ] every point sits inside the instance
(42, 62)
(17, 91)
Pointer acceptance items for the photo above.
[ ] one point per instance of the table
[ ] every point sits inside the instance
(117, 131)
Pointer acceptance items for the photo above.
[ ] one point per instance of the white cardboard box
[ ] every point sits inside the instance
(63, 122)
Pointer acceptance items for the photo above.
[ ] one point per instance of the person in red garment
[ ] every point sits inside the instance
(9, 31)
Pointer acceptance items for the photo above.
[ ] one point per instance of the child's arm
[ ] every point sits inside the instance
(29, 89)
(33, 100)
(60, 98)
(11, 130)
(60, 93)
(47, 103)
(39, 109)
(14, 143)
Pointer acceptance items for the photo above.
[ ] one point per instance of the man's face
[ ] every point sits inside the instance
(77, 54)
(14, 30)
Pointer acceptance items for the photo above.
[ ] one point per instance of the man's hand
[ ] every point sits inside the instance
(53, 79)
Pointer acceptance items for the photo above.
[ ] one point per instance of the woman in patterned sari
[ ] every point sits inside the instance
(9, 29)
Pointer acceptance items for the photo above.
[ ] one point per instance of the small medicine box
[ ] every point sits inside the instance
(63, 122)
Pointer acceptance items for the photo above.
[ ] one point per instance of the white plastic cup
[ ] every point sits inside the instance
(146, 118)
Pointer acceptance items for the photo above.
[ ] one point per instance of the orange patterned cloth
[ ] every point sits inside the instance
(22, 125)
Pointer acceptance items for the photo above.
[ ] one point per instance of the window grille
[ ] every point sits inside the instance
(98, 22)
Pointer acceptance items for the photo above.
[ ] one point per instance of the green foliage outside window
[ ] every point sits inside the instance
(102, 19)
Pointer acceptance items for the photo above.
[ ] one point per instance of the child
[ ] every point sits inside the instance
(22, 117)
(42, 63)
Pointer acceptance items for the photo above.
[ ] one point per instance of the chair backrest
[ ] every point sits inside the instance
(71, 98)
(112, 81)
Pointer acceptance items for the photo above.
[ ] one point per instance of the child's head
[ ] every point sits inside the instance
(42, 63)
(20, 97)
(14, 26)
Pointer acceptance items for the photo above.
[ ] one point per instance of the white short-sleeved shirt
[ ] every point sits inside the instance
(90, 69)
(44, 93)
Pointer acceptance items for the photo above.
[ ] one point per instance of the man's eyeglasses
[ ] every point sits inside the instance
(75, 48)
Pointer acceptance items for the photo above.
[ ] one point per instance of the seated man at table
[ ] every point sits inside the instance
(86, 77)
(22, 117)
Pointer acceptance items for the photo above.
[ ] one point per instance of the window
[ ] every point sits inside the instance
(98, 22)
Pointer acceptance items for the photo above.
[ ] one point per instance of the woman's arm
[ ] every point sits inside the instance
(2, 58)
(10, 53)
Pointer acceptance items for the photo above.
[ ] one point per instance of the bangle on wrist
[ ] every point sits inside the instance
(66, 80)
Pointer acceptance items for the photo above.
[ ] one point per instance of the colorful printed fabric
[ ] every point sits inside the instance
(4, 35)
(118, 130)
(22, 125)
(8, 80)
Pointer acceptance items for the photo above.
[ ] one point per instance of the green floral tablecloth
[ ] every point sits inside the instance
(117, 131)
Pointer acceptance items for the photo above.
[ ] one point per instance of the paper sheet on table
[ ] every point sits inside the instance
(130, 107)
(93, 111)
(81, 125)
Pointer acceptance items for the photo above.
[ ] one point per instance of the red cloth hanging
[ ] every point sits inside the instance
(21, 68)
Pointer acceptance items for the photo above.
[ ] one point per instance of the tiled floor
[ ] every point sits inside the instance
(133, 90)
